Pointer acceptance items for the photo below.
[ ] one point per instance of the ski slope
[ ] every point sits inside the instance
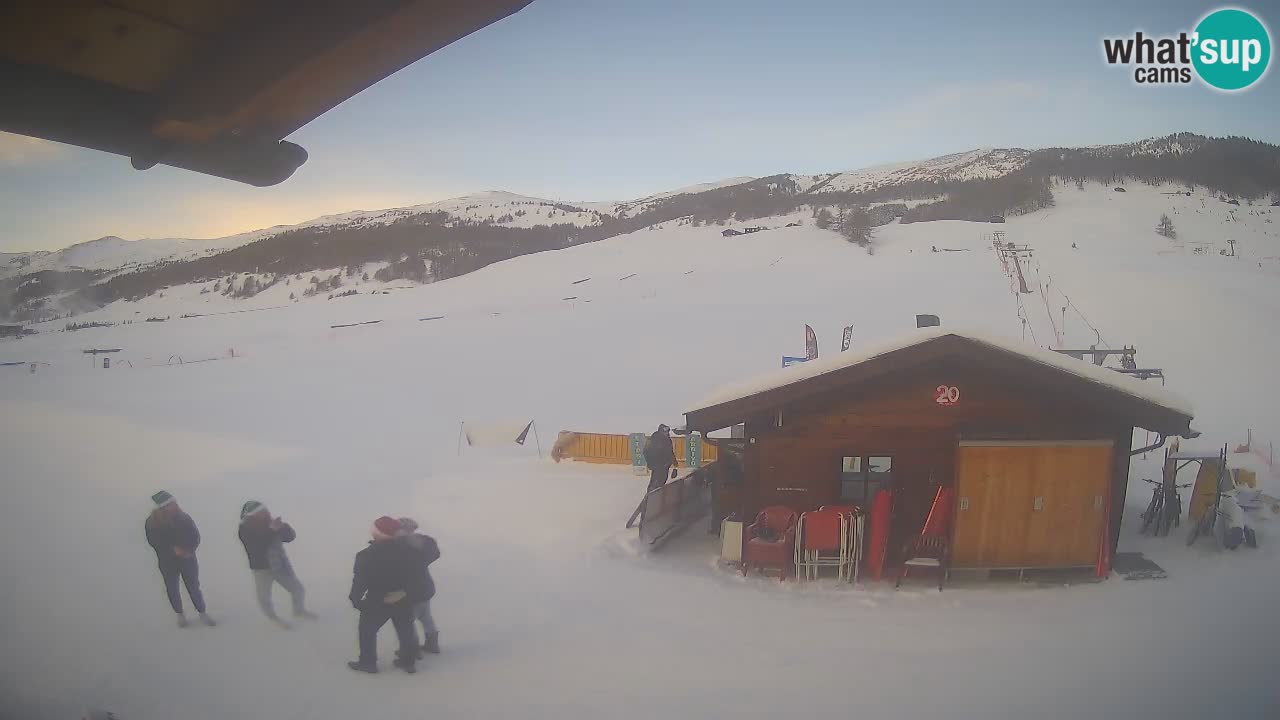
(546, 606)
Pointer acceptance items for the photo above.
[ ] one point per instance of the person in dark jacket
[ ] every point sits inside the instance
(174, 536)
(428, 552)
(386, 585)
(659, 455)
(263, 538)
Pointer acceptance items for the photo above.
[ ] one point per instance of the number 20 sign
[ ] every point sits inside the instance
(946, 395)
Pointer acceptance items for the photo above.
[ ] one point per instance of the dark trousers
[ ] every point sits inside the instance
(658, 476)
(371, 621)
(189, 571)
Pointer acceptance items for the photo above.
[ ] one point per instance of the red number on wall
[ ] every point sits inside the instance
(946, 395)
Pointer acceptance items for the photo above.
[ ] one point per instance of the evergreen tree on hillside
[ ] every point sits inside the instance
(1165, 228)
(823, 219)
(857, 227)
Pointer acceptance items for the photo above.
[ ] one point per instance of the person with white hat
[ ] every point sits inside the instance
(263, 538)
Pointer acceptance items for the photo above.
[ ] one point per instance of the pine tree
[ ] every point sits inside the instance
(823, 219)
(857, 227)
(1165, 228)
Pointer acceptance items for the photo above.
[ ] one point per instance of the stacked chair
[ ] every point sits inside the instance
(830, 537)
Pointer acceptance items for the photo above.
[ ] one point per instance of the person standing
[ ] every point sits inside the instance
(428, 552)
(659, 455)
(386, 585)
(174, 536)
(263, 538)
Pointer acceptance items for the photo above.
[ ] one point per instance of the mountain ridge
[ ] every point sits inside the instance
(447, 238)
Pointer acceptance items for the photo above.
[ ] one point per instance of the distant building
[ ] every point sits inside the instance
(13, 331)
(1120, 189)
(794, 224)
(754, 229)
(729, 233)
(996, 219)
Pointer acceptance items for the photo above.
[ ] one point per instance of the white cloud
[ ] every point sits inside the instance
(21, 150)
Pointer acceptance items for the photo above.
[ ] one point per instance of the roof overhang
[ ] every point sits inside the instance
(212, 86)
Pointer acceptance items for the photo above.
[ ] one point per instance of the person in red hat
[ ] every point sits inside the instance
(386, 585)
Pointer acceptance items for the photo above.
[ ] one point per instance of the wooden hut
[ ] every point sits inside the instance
(1036, 444)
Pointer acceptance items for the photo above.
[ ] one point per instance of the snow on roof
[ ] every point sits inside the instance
(800, 372)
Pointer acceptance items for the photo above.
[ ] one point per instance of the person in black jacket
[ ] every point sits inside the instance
(386, 585)
(659, 455)
(428, 552)
(174, 536)
(263, 538)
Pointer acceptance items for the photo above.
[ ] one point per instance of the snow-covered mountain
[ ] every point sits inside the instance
(448, 238)
(500, 208)
(982, 164)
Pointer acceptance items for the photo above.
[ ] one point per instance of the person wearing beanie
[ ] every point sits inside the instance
(174, 536)
(386, 584)
(263, 538)
(428, 552)
(660, 456)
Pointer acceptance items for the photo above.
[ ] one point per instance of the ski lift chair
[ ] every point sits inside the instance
(771, 541)
(927, 551)
(821, 542)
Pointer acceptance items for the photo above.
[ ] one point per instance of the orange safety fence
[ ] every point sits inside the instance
(614, 449)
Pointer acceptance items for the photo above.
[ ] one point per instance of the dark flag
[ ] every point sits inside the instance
(810, 343)
(848, 338)
(524, 434)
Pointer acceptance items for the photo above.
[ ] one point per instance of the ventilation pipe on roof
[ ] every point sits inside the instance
(924, 321)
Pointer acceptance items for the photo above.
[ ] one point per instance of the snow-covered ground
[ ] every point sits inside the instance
(546, 606)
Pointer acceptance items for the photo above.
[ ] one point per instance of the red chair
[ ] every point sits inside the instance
(776, 552)
(821, 542)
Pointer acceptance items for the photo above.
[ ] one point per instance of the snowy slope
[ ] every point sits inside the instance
(546, 607)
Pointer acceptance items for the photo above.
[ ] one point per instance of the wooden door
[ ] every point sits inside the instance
(1030, 504)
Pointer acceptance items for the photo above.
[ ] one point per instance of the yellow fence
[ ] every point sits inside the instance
(614, 449)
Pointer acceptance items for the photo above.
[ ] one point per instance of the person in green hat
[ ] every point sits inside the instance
(174, 536)
(263, 538)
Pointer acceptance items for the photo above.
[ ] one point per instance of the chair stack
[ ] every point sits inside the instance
(830, 537)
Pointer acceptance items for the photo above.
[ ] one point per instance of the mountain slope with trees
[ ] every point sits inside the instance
(452, 238)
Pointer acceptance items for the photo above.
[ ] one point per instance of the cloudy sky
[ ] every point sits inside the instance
(614, 99)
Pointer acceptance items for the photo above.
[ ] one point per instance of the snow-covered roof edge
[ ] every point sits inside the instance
(1157, 395)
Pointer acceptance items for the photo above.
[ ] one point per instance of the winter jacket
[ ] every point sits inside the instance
(385, 567)
(428, 552)
(263, 544)
(659, 451)
(163, 536)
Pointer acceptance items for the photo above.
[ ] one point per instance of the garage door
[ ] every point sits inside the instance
(1030, 504)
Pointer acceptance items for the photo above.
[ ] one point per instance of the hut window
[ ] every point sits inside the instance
(861, 476)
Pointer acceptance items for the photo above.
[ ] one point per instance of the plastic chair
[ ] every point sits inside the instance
(821, 541)
(854, 529)
(779, 553)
